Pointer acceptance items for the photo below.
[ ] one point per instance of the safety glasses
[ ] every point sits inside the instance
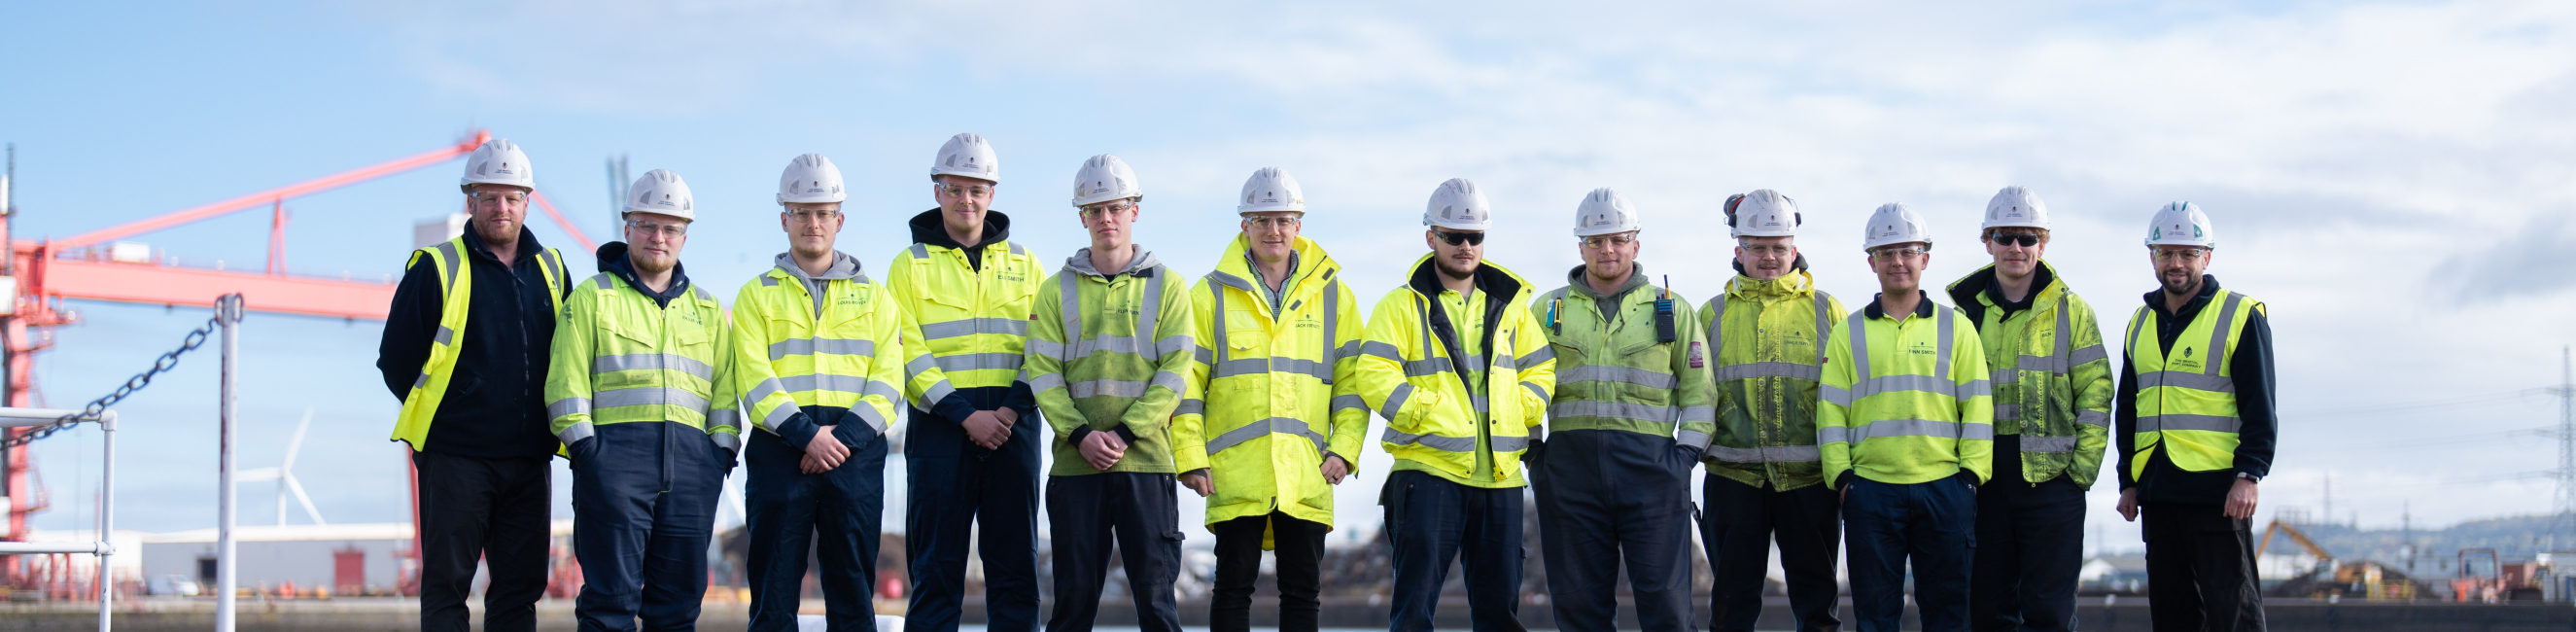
(2024, 240)
(1473, 239)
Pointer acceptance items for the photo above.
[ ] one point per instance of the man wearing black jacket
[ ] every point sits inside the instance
(2196, 412)
(465, 349)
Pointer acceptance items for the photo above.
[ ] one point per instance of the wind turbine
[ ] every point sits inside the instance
(285, 475)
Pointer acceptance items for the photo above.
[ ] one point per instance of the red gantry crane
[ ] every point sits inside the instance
(89, 266)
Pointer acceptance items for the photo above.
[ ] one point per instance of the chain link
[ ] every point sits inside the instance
(167, 362)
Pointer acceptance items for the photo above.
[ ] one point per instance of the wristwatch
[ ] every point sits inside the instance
(2249, 477)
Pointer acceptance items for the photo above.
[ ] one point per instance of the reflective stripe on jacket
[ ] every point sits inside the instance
(1766, 341)
(1111, 354)
(786, 356)
(1414, 369)
(1618, 373)
(619, 358)
(974, 323)
(1908, 402)
(456, 275)
(2186, 395)
(1271, 392)
(2051, 376)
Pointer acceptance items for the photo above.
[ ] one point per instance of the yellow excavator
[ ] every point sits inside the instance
(2361, 579)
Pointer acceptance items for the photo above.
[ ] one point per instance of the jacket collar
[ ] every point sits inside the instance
(1983, 288)
(929, 230)
(528, 246)
(844, 266)
(612, 260)
(1143, 265)
(1922, 306)
(1496, 281)
(1582, 284)
(1233, 269)
(1797, 283)
(2208, 289)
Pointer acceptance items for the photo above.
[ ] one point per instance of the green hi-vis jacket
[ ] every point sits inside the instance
(793, 347)
(1111, 353)
(1766, 349)
(1270, 389)
(1615, 370)
(621, 358)
(2052, 379)
(1416, 369)
(1906, 402)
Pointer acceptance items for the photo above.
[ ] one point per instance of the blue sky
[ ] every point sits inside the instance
(2391, 177)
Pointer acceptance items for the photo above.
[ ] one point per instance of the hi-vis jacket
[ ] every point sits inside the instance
(1766, 347)
(1450, 411)
(2052, 379)
(1907, 402)
(1271, 390)
(974, 320)
(2186, 403)
(1111, 353)
(793, 347)
(1617, 371)
(621, 358)
(453, 260)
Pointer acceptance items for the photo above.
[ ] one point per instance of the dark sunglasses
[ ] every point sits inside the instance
(1453, 238)
(2024, 240)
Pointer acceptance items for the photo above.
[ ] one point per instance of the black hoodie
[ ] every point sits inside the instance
(928, 229)
(612, 260)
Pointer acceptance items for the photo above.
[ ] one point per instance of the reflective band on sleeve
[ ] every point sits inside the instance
(880, 388)
(1614, 410)
(972, 326)
(1173, 344)
(1834, 395)
(764, 389)
(1691, 439)
(1699, 413)
(1043, 383)
(1111, 388)
(422, 382)
(2092, 353)
(1832, 434)
(1625, 375)
(1349, 402)
(1380, 350)
(977, 361)
(1170, 380)
(1979, 387)
(778, 416)
(574, 434)
(1543, 354)
(2048, 444)
(1774, 454)
(1750, 370)
(1419, 368)
(727, 441)
(567, 406)
(1047, 348)
(1191, 406)
(723, 418)
(650, 396)
(2093, 418)
(1204, 355)
(1535, 391)
(1395, 401)
(809, 346)
(652, 361)
(1349, 350)
(869, 415)
(937, 392)
(445, 335)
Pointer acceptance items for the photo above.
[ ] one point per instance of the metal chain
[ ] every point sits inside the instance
(167, 362)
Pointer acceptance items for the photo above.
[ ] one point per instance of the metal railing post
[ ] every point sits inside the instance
(228, 311)
(106, 518)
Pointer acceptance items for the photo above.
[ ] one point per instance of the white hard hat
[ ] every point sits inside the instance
(661, 192)
(1892, 223)
(1457, 204)
(2181, 224)
(1765, 213)
(498, 161)
(1604, 213)
(810, 179)
(2016, 207)
(1104, 178)
(1271, 189)
(969, 156)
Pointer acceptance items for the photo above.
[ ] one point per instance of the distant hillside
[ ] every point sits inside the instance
(2513, 538)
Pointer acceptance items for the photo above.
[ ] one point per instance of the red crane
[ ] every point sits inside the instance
(46, 272)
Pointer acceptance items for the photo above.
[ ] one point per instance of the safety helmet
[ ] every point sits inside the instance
(1604, 213)
(811, 179)
(2016, 207)
(498, 161)
(661, 192)
(2181, 224)
(1893, 223)
(969, 156)
(1764, 213)
(1104, 178)
(1271, 189)
(1458, 205)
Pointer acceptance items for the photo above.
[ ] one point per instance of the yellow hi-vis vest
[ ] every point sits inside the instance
(1766, 347)
(786, 357)
(2186, 396)
(456, 274)
(974, 323)
(1408, 375)
(1270, 392)
(618, 358)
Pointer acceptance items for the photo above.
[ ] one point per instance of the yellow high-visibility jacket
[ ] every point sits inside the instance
(793, 348)
(974, 322)
(1270, 389)
(1618, 373)
(2051, 376)
(1766, 353)
(621, 358)
(1417, 371)
(1111, 354)
(1907, 402)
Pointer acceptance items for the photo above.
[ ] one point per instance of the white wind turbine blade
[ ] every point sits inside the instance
(296, 444)
(309, 511)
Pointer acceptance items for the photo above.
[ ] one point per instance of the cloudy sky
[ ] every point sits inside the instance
(2391, 177)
